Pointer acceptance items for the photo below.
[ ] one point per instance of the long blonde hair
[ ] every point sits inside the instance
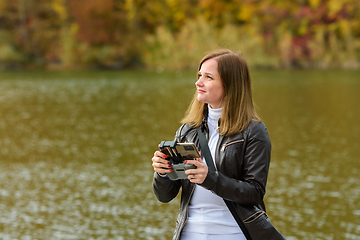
(238, 107)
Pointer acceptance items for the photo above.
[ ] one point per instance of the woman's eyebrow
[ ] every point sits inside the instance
(206, 73)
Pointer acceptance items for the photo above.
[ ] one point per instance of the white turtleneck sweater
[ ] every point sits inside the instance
(208, 213)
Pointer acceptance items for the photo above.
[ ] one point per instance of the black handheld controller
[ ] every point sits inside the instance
(177, 153)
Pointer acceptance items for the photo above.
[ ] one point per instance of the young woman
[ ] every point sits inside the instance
(240, 148)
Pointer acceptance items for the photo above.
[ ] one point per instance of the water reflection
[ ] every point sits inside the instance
(75, 152)
(313, 126)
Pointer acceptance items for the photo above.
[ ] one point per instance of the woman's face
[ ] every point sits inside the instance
(209, 85)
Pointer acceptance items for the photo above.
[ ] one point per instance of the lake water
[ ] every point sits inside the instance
(76, 148)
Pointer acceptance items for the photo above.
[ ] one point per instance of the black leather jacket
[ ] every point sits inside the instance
(242, 161)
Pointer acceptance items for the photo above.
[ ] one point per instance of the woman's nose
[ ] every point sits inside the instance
(199, 82)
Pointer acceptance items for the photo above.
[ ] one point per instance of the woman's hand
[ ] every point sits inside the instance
(199, 174)
(160, 164)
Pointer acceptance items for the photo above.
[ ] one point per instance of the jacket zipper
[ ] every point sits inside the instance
(255, 216)
(230, 143)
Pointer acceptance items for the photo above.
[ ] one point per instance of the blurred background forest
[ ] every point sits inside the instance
(172, 34)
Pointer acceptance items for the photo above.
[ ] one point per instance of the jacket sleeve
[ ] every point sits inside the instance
(250, 189)
(165, 190)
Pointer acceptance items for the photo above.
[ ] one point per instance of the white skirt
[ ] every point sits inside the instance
(199, 236)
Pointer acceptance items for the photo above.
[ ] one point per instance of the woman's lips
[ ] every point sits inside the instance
(200, 91)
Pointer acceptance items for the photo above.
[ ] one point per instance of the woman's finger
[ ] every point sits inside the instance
(160, 164)
(159, 154)
(199, 174)
(198, 162)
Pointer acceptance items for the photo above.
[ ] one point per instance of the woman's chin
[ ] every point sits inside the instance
(200, 99)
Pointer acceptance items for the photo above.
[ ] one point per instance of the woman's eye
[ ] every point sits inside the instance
(206, 76)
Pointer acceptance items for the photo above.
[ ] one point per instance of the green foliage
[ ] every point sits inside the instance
(184, 49)
(165, 50)
(68, 45)
(9, 55)
(174, 34)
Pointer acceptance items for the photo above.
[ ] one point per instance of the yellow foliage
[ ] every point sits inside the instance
(335, 6)
(74, 28)
(245, 13)
(303, 28)
(2, 5)
(130, 8)
(59, 8)
(314, 4)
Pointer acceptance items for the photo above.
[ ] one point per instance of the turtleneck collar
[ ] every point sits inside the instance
(214, 114)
